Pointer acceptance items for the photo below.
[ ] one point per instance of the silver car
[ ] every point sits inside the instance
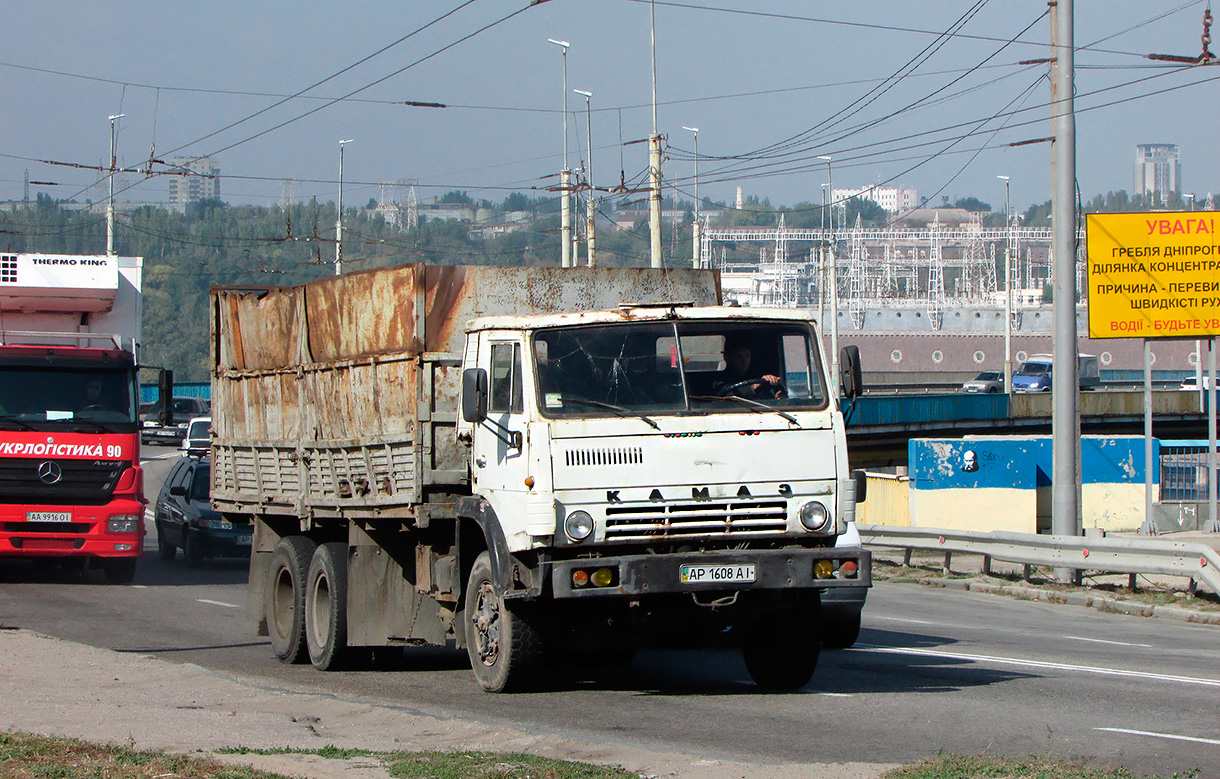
(987, 381)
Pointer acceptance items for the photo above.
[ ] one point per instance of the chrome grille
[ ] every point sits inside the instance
(629, 455)
(84, 482)
(702, 519)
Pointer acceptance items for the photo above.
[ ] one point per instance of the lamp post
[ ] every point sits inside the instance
(697, 262)
(834, 284)
(1007, 289)
(591, 201)
(339, 214)
(565, 175)
(110, 198)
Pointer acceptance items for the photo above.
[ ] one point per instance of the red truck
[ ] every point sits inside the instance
(71, 486)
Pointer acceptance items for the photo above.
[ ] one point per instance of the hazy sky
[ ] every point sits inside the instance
(771, 85)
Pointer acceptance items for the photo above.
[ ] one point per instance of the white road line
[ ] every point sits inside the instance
(218, 603)
(835, 694)
(161, 456)
(1170, 736)
(912, 621)
(1103, 641)
(1049, 666)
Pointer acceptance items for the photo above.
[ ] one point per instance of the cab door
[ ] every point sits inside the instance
(500, 467)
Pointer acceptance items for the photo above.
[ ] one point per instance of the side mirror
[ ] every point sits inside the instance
(474, 395)
(861, 479)
(851, 380)
(165, 390)
(178, 490)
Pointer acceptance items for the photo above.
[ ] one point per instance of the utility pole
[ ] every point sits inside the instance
(1007, 290)
(834, 285)
(654, 154)
(1065, 389)
(565, 175)
(697, 262)
(591, 199)
(110, 198)
(339, 215)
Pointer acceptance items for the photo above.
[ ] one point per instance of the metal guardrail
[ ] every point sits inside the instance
(1112, 555)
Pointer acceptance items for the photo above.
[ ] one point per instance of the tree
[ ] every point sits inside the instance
(972, 204)
(457, 196)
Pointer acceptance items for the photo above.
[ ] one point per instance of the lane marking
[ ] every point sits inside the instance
(218, 603)
(835, 694)
(1170, 736)
(160, 456)
(1103, 641)
(911, 621)
(1044, 665)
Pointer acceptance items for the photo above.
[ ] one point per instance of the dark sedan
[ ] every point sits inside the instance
(185, 519)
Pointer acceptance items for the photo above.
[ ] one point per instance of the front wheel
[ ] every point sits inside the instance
(192, 549)
(326, 607)
(779, 655)
(842, 633)
(500, 643)
(285, 598)
(120, 570)
(165, 550)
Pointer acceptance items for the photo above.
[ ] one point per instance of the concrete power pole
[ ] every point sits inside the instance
(565, 175)
(696, 262)
(110, 198)
(591, 201)
(654, 156)
(1065, 389)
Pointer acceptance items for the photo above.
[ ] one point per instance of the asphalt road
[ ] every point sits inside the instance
(935, 670)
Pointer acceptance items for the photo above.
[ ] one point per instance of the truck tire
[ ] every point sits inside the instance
(841, 633)
(780, 656)
(285, 599)
(326, 607)
(120, 570)
(501, 644)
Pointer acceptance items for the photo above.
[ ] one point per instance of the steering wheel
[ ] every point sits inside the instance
(729, 390)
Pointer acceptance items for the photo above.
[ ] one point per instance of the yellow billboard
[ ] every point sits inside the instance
(1153, 275)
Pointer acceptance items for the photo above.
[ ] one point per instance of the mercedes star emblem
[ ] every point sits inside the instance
(49, 472)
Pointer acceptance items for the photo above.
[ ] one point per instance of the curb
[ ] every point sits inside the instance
(1078, 598)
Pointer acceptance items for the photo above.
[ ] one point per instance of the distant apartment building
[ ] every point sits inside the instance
(1157, 170)
(193, 179)
(893, 199)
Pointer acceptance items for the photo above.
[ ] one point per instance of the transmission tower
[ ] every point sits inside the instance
(287, 196)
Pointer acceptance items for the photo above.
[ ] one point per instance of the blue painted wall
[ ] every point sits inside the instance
(149, 392)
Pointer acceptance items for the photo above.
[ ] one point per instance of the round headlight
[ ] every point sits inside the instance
(578, 525)
(814, 516)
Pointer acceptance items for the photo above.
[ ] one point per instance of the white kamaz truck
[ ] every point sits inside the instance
(539, 465)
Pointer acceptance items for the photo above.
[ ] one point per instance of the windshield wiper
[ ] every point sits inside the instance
(618, 410)
(15, 421)
(97, 426)
(753, 405)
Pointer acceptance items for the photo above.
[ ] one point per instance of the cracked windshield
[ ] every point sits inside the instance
(668, 367)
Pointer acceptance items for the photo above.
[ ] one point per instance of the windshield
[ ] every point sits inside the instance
(66, 399)
(1034, 369)
(678, 367)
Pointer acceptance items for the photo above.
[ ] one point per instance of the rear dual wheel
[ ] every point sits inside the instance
(285, 598)
(326, 607)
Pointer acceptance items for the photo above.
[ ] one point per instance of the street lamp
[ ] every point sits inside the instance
(591, 202)
(110, 199)
(339, 214)
(695, 227)
(565, 175)
(1007, 289)
(834, 284)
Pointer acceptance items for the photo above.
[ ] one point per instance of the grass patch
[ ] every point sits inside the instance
(24, 756)
(980, 767)
(494, 765)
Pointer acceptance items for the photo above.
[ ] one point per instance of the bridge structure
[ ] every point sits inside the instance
(879, 426)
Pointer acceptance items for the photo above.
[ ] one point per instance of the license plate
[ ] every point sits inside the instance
(48, 516)
(716, 574)
(243, 540)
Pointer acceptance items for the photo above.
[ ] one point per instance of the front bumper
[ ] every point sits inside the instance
(85, 536)
(775, 569)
